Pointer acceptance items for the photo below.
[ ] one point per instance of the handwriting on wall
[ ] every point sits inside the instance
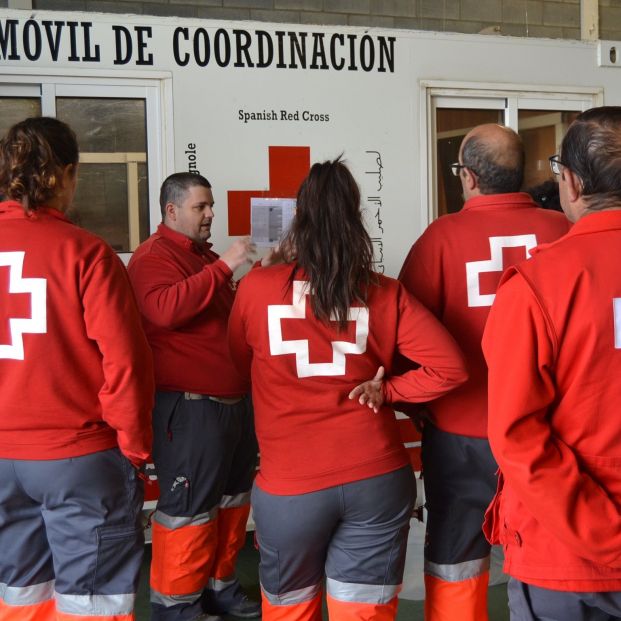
(74, 41)
(375, 178)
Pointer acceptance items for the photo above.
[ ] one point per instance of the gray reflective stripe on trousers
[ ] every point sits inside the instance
(458, 571)
(172, 522)
(172, 600)
(362, 593)
(239, 500)
(219, 585)
(292, 597)
(102, 605)
(27, 595)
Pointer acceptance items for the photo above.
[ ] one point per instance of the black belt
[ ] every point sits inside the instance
(195, 396)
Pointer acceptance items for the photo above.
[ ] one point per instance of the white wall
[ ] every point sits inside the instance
(368, 110)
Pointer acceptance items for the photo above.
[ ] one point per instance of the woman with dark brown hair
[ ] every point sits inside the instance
(76, 391)
(335, 491)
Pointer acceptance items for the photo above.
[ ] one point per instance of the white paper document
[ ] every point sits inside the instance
(270, 219)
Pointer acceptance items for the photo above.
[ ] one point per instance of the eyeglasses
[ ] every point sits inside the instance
(556, 163)
(456, 167)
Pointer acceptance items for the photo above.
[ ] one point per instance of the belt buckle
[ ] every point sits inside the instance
(194, 396)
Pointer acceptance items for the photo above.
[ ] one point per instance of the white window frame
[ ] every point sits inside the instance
(155, 88)
(507, 98)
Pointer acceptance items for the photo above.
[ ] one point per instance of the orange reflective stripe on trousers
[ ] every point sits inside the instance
(231, 539)
(182, 557)
(465, 600)
(304, 611)
(358, 611)
(42, 611)
(46, 611)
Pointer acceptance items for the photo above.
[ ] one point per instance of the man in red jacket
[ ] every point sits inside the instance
(454, 268)
(553, 346)
(204, 447)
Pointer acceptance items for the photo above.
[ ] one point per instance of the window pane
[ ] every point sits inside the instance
(542, 132)
(452, 124)
(105, 125)
(112, 199)
(100, 203)
(16, 109)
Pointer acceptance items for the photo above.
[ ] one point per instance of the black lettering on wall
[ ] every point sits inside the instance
(202, 47)
(143, 32)
(32, 35)
(222, 47)
(367, 53)
(182, 62)
(387, 54)
(8, 37)
(319, 52)
(53, 39)
(280, 35)
(88, 55)
(242, 48)
(336, 65)
(266, 55)
(73, 38)
(352, 52)
(30, 39)
(298, 49)
(123, 41)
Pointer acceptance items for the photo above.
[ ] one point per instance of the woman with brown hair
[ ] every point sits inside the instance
(335, 491)
(76, 391)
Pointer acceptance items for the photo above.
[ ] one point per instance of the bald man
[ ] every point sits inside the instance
(454, 269)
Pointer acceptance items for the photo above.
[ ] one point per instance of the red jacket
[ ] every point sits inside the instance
(454, 269)
(185, 294)
(311, 436)
(76, 374)
(553, 345)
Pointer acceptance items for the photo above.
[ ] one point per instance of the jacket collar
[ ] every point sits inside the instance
(516, 200)
(595, 222)
(181, 240)
(609, 220)
(13, 209)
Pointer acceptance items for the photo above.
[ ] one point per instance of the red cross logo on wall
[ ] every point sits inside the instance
(288, 166)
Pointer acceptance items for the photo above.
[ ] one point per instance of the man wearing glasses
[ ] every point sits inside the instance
(553, 346)
(454, 268)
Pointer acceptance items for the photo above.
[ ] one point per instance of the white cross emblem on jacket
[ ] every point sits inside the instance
(18, 326)
(300, 347)
(475, 268)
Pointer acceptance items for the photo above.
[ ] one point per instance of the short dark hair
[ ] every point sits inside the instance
(591, 149)
(478, 155)
(176, 185)
(33, 156)
(546, 195)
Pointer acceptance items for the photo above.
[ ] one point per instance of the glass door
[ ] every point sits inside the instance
(541, 119)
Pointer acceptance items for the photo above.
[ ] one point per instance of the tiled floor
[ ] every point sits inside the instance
(247, 569)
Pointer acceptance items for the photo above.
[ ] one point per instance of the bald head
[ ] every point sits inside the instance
(495, 154)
